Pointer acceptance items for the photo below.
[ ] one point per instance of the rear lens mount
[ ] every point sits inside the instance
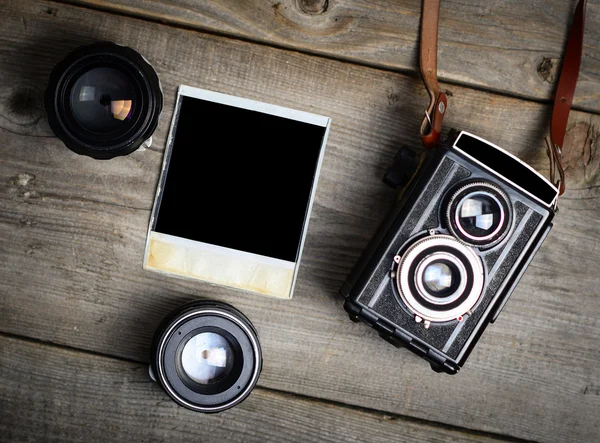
(206, 356)
(103, 100)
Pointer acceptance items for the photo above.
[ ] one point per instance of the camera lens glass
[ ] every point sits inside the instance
(479, 214)
(207, 357)
(441, 278)
(103, 100)
(438, 278)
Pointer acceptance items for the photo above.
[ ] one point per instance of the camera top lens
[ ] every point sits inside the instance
(479, 214)
(206, 356)
(103, 100)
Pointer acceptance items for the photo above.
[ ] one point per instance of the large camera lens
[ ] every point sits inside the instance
(438, 278)
(479, 214)
(206, 356)
(103, 100)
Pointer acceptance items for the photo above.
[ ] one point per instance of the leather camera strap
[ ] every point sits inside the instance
(564, 97)
(431, 125)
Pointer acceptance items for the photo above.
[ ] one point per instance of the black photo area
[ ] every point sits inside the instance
(239, 179)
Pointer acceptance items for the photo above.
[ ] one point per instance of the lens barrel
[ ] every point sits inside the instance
(438, 278)
(103, 100)
(206, 355)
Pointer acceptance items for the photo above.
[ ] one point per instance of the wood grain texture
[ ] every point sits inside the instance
(513, 46)
(83, 398)
(73, 232)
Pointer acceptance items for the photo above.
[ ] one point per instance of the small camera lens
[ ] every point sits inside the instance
(479, 214)
(103, 100)
(206, 356)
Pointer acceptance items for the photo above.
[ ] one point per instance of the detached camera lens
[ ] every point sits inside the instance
(103, 100)
(479, 214)
(206, 356)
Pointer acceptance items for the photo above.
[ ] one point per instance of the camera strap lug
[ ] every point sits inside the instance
(431, 126)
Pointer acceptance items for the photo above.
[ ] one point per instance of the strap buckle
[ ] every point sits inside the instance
(556, 168)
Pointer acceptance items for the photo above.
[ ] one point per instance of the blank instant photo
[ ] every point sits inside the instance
(235, 193)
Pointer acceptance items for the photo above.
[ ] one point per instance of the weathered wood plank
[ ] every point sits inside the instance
(73, 233)
(81, 397)
(512, 46)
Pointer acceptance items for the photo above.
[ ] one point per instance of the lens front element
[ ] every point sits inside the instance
(440, 278)
(207, 357)
(479, 214)
(102, 101)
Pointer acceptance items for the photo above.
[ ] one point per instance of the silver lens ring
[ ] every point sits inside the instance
(500, 217)
(432, 259)
(171, 336)
(408, 286)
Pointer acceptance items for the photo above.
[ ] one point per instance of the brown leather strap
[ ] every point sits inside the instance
(564, 97)
(431, 125)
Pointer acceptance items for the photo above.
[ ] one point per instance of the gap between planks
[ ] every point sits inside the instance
(381, 414)
(202, 30)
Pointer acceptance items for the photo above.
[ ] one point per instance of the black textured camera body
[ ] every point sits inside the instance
(376, 290)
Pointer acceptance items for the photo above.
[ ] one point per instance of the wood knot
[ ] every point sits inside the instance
(548, 69)
(313, 7)
(580, 159)
(24, 106)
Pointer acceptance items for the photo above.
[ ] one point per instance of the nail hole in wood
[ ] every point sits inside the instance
(313, 7)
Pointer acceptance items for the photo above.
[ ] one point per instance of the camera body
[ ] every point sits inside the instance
(453, 249)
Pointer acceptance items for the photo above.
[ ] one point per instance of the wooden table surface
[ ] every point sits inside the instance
(77, 312)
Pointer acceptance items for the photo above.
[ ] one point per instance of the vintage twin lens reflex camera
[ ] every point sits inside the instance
(445, 261)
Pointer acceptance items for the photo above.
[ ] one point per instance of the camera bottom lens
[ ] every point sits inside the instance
(206, 356)
(439, 278)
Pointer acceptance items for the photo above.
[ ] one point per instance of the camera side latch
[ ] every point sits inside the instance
(402, 168)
